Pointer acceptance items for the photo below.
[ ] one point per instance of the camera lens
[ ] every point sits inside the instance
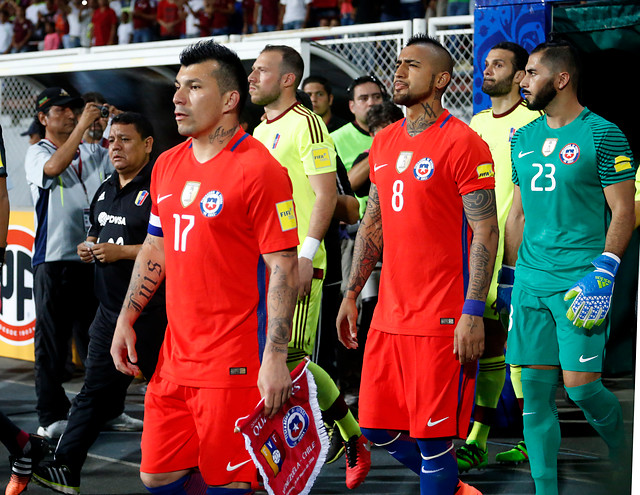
(104, 111)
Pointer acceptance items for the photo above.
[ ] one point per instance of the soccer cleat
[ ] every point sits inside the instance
(54, 430)
(336, 444)
(22, 467)
(358, 453)
(124, 422)
(464, 489)
(471, 456)
(57, 477)
(516, 455)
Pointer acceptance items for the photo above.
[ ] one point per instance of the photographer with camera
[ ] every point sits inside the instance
(98, 131)
(63, 173)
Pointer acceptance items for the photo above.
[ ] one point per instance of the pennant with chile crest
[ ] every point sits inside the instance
(289, 449)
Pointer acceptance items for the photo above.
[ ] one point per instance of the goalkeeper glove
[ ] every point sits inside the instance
(593, 293)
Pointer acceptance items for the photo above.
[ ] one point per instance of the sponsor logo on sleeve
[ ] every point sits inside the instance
(286, 215)
(485, 171)
(321, 158)
(622, 163)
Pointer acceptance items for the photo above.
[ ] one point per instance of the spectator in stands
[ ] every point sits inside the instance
(347, 12)
(320, 93)
(457, 7)
(248, 17)
(194, 9)
(78, 17)
(222, 12)
(144, 14)
(60, 20)
(22, 31)
(171, 16)
(325, 13)
(366, 11)
(6, 31)
(267, 15)
(105, 22)
(125, 29)
(296, 14)
(52, 39)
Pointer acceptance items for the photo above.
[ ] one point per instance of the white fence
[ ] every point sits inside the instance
(358, 49)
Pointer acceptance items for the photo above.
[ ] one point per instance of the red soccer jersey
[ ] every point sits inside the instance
(143, 7)
(421, 181)
(217, 218)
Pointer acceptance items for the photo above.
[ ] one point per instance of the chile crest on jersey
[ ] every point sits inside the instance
(211, 204)
(423, 169)
(570, 154)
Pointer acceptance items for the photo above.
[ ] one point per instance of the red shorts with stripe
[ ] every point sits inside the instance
(415, 384)
(188, 427)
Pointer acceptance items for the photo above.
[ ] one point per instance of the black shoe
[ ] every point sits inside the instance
(336, 444)
(58, 477)
(22, 467)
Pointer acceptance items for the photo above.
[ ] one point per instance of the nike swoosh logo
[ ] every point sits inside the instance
(521, 154)
(527, 413)
(431, 471)
(162, 198)
(433, 423)
(584, 359)
(378, 167)
(236, 466)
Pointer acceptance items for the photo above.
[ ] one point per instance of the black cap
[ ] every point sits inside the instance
(57, 97)
(34, 128)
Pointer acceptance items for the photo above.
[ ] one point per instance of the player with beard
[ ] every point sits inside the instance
(573, 207)
(431, 181)
(504, 69)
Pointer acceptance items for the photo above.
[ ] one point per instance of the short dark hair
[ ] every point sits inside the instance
(230, 75)
(94, 97)
(423, 39)
(319, 80)
(520, 55)
(383, 114)
(304, 98)
(291, 61)
(363, 80)
(561, 55)
(139, 121)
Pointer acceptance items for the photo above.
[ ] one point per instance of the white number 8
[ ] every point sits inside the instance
(397, 200)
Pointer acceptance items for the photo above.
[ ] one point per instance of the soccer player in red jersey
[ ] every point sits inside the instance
(432, 206)
(223, 235)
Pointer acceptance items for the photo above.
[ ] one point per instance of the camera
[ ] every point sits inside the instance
(104, 111)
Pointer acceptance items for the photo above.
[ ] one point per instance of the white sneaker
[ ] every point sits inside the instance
(124, 422)
(54, 430)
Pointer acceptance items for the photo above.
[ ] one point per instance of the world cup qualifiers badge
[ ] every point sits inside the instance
(211, 204)
(423, 169)
(295, 424)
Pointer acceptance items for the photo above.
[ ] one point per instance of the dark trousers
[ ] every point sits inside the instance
(65, 305)
(105, 388)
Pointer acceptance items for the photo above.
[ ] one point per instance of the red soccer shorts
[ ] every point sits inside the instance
(415, 384)
(187, 427)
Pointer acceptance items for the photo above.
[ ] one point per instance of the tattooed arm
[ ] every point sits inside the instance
(366, 253)
(274, 380)
(148, 273)
(480, 209)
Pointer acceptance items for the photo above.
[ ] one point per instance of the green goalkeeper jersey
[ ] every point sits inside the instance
(562, 174)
